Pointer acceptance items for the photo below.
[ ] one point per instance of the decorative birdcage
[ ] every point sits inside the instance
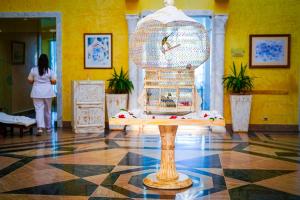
(169, 39)
(169, 45)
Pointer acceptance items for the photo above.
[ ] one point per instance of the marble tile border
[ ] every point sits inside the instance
(219, 183)
(57, 16)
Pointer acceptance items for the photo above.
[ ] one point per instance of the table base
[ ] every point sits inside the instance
(183, 181)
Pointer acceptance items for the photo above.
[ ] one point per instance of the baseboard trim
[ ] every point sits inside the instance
(67, 124)
(24, 112)
(269, 127)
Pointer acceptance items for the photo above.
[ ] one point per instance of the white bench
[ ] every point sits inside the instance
(25, 124)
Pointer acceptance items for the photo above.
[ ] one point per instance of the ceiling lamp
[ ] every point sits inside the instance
(169, 39)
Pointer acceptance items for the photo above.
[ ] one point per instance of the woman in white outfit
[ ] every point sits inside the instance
(42, 78)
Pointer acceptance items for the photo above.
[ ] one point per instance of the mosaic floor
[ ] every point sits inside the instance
(62, 165)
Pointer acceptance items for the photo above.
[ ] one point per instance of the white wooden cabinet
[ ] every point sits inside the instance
(88, 106)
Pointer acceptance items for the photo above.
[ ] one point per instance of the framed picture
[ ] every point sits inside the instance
(18, 53)
(269, 51)
(98, 50)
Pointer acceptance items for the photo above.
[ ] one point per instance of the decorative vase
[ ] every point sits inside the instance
(240, 112)
(114, 103)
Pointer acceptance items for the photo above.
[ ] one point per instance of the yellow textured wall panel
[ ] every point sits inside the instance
(245, 17)
(266, 17)
(79, 17)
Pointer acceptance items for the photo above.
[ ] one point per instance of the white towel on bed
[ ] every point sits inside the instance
(20, 120)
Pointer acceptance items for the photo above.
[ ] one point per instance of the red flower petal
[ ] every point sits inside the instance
(121, 116)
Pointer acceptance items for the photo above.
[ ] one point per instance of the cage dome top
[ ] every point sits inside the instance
(166, 15)
(169, 38)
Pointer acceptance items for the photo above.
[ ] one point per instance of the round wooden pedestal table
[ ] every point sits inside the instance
(167, 177)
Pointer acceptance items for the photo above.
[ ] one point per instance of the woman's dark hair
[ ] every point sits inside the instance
(43, 64)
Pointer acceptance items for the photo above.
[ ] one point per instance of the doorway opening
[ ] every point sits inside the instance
(36, 33)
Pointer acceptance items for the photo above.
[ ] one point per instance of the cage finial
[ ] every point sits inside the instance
(169, 2)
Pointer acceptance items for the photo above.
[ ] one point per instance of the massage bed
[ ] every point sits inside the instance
(25, 124)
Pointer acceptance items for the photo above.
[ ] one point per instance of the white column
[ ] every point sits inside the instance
(217, 70)
(133, 71)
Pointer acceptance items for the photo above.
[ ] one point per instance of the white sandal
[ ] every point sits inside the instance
(39, 132)
(48, 130)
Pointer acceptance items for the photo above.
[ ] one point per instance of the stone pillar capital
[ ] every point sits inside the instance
(220, 23)
(132, 20)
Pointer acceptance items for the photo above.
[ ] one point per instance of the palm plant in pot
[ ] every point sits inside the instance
(239, 84)
(119, 86)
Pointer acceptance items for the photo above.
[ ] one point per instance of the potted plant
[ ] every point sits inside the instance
(240, 86)
(119, 86)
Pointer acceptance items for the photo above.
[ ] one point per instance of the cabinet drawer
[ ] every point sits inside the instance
(89, 116)
(89, 93)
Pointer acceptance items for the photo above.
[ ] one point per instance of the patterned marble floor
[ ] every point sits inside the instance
(63, 165)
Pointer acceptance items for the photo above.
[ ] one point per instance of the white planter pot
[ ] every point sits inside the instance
(115, 102)
(240, 112)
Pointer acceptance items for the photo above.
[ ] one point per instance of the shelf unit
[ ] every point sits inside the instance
(169, 91)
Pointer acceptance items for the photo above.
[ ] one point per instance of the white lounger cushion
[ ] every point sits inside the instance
(19, 120)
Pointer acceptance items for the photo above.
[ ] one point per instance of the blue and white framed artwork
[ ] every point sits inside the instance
(269, 50)
(98, 50)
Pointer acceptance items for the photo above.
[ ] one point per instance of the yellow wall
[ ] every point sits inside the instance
(245, 17)
(267, 17)
(254, 17)
(79, 17)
